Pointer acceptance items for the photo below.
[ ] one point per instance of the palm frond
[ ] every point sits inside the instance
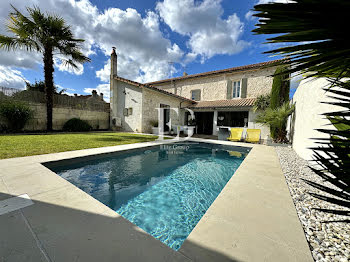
(319, 49)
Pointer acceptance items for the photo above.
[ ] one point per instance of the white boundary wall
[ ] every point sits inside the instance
(308, 115)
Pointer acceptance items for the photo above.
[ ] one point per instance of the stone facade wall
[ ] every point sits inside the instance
(151, 101)
(97, 119)
(215, 87)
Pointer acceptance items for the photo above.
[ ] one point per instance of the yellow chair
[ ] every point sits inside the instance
(236, 134)
(253, 135)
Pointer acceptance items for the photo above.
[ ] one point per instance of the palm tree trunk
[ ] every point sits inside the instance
(48, 71)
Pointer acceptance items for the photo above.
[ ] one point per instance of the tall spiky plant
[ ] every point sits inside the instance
(47, 34)
(321, 49)
(276, 119)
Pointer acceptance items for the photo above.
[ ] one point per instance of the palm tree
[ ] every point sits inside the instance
(48, 34)
(276, 118)
(319, 48)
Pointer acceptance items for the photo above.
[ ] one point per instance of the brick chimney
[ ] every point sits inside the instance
(113, 86)
(94, 93)
(101, 95)
(113, 62)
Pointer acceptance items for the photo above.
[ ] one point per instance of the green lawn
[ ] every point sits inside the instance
(28, 145)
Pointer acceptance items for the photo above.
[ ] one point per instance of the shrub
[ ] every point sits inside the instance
(76, 125)
(277, 120)
(262, 102)
(15, 113)
(154, 123)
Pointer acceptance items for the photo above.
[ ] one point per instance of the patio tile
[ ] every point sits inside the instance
(4, 194)
(237, 244)
(31, 179)
(266, 220)
(16, 241)
(72, 197)
(253, 218)
(75, 229)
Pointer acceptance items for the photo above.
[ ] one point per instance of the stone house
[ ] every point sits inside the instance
(219, 99)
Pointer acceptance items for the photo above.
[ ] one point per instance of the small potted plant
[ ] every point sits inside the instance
(155, 128)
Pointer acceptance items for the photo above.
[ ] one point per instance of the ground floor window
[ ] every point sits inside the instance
(234, 119)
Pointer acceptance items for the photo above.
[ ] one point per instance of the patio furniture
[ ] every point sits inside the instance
(236, 134)
(223, 133)
(190, 130)
(253, 135)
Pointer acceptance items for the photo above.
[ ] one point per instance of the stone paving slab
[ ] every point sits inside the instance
(16, 241)
(253, 219)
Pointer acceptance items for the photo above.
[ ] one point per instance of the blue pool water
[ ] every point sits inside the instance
(164, 190)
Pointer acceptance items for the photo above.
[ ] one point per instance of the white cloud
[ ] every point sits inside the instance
(65, 90)
(209, 33)
(11, 78)
(102, 88)
(143, 50)
(190, 57)
(104, 73)
(79, 70)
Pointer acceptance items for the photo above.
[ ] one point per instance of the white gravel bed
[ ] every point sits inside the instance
(327, 241)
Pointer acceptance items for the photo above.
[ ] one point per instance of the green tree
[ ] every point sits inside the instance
(48, 34)
(280, 87)
(279, 93)
(37, 86)
(40, 86)
(319, 49)
(276, 119)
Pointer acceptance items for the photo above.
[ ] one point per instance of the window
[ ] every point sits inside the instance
(125, 112)
(196, 95)
(236, 89)
(233, 119)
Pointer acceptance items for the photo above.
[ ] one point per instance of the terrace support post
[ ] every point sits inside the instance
(215, 123)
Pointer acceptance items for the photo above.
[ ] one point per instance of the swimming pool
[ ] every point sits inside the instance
(165, 190)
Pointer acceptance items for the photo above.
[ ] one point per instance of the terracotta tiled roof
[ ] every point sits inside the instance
(236, 102)
(228, 70)
(152, 88)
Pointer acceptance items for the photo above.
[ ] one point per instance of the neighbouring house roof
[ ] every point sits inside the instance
(236, 102)
(148, 86)
(228, 70)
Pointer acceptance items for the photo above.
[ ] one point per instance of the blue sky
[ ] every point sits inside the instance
(198, 36)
